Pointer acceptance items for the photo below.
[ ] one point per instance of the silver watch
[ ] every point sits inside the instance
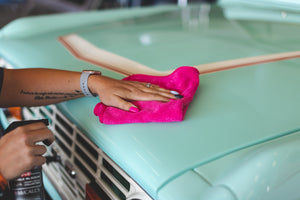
(84, 81)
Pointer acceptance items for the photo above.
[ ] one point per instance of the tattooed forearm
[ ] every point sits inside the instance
(51, 95)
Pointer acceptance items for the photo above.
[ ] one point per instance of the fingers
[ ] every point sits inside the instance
(158, 93)
(35, 156)
(38, 132)
(24, 153)
(122, 100)
(38, 150)
(125, 105)
(120, 93)
(34, 133)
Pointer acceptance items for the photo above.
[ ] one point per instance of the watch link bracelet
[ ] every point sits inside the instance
(84, 81)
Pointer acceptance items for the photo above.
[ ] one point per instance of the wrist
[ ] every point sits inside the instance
(94, 84)
(84, 82)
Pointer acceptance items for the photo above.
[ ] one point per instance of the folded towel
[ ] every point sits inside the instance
(184, 80)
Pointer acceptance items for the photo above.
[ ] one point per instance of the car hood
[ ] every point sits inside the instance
(231, 110)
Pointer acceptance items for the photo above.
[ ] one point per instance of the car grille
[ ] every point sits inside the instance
(81, 162)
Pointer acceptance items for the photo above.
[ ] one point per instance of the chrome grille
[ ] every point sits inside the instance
(89, 162)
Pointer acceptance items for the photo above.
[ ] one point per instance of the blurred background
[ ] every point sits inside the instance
(13, 9)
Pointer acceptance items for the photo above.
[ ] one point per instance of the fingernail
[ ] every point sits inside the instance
(178, 96)
(174, 92)
(133, 109)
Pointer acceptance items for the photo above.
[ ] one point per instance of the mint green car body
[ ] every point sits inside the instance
(240, 138)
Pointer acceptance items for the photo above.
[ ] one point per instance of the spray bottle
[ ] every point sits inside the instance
(30, 184)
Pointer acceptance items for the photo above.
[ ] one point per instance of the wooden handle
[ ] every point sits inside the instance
(84, 50)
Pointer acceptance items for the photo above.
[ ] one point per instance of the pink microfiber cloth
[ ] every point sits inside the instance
(184, 80)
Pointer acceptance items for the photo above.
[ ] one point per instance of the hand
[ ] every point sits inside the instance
(19, 152)
(119, 93)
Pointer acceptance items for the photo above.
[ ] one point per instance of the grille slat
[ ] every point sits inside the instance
(113, 180)
(84, 169)
(116, 174)
(63, 134)
(80, 152)
(63, 145)
(113, 186)
(44, 114)
(87, 146)
(108, 189)
(64, 124)
(84, 164)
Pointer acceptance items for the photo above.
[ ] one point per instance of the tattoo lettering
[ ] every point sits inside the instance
(51, 95)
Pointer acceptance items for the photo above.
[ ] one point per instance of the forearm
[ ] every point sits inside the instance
(35, 87)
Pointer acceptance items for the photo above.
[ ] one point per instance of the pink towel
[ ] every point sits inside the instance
(184, 80)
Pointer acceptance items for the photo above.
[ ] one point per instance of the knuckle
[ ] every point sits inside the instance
(23, 137)
(20, 130)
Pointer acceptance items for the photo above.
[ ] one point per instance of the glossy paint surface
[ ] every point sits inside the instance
(266, 171)
(231, 111)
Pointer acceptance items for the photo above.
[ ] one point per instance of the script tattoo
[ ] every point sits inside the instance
(51, 95)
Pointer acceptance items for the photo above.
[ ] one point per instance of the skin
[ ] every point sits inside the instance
(19, 151)
(35, 87)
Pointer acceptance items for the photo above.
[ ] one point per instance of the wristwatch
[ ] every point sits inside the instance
(84, 81)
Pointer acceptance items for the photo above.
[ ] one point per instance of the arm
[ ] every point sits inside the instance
(35, 87)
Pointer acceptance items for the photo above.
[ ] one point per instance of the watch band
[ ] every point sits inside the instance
(84, 81)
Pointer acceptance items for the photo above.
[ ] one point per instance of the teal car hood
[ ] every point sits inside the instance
(231, 110)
